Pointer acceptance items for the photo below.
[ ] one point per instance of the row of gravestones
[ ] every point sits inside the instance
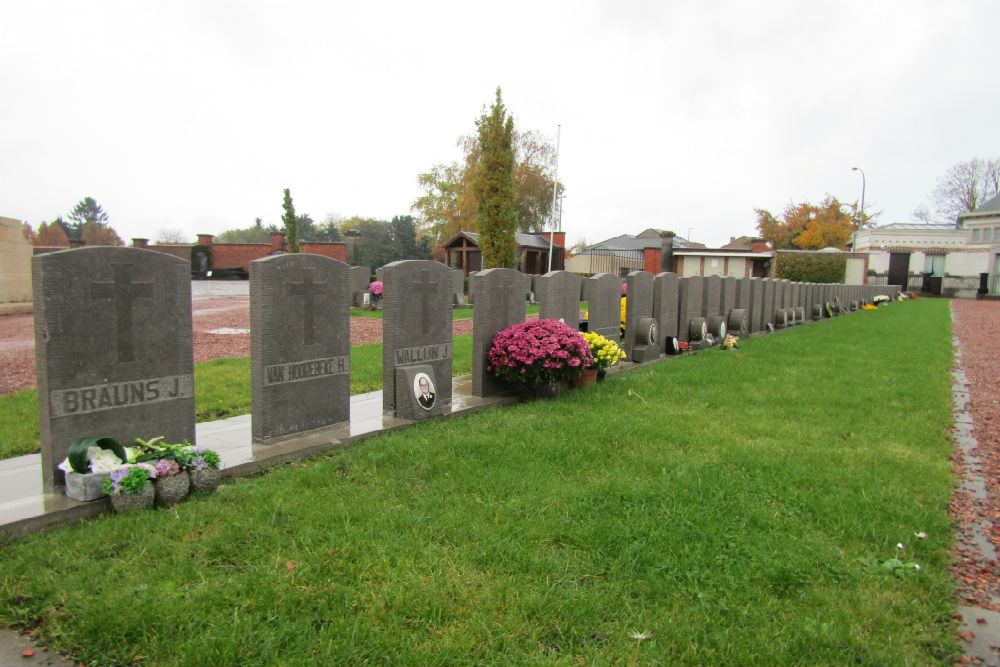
(359, 279)
(114, 353)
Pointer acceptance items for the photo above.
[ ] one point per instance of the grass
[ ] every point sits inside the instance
(222, 389)
(723, 505)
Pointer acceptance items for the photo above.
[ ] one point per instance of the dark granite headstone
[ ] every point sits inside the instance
(728, 296)
(500, 295)
(458, 287)
(689, 308)
(711, 308)
(360, 278)
(603, 295)
(756, 305)
(300, 344)
(113, 349)
(416, 328)
(768, 304)
(558, 294)
(642, 342)
(666, 295)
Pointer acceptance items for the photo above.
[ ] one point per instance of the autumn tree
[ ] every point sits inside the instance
(291, 223)
(52, 234)
(449, 204)
(808, 226)
(493, 187)
(962, 189)
(89, 223)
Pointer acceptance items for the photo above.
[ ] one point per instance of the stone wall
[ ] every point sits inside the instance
(15, 262)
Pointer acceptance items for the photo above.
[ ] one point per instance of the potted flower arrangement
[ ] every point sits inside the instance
(879, 299)
(87, 464)
(172, 483)
(683, 346)
(203, 468)
(376, 288)
(606, 353)
(131, 488)
(731, 342)
(537, 356)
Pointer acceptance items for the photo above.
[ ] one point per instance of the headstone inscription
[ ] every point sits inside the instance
(691, 325)
(113, 349)
(666, 292)
(416, 338)
(500, 295)
(558, 294)
(300, 347)
(641, 337)
(603, 296)
(360, 277)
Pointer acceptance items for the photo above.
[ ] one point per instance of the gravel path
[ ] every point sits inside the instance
(977, 327)
(212, 315)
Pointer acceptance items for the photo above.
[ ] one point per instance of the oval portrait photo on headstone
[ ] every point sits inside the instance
(423, 389)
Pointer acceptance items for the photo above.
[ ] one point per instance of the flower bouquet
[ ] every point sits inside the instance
(204, 469)
(606, 353)
(731, 342)
(880, 299)
(130, 487)
(172, 482)
(683, 346)
(538, 355)
(376, 289)
(87, 464)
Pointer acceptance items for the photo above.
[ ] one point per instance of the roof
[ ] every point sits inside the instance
(629, 242)
(917, 226)
(540, 241)
(991, 206)
(740, 243)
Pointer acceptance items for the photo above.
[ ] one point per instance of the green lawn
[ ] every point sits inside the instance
(222, 389)
(728, 507)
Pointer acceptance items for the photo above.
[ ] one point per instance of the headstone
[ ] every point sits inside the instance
(666, 294)
(416, 331)
(500, 297)
(359, 277)
(711, 308)
(458, 287)
(756, 305)
(642, 342)
(728, 296)
(603, 296)
(558, 294)
(767, 305)
(300, 344)
(113, 349)
(689, 309)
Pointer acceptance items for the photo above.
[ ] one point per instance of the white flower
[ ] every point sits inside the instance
(899, 545)
(917, 567)
(641, 636)
(920, 536)
(65, 466)
(103, 460)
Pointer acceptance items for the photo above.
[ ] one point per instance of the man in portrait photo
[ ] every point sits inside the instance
(426, 394)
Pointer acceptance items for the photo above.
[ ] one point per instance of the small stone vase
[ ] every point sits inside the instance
(172, 490)
(206, 480)
(124, 503)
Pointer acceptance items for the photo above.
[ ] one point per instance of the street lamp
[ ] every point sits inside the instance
(862, 189)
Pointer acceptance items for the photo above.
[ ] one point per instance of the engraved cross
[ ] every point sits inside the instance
(307, 289)
(123, 291)
(430, 298)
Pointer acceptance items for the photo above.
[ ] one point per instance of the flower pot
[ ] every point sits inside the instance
(172, 490)
(589, 377)
(206, 480)
(133, 502)
(534, 391)
(601, 374)
(85, 486)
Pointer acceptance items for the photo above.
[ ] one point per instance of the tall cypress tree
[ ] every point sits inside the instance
(291, 223)
(494, 188)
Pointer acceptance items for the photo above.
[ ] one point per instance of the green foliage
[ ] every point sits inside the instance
(808, 226)
(810, 267)
(133, 482)
(494, 188)
(727, 527)
(291, 223)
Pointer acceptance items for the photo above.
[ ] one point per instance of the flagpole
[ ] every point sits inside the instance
(555, 198)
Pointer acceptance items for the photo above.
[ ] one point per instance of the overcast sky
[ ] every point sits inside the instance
(675, 114)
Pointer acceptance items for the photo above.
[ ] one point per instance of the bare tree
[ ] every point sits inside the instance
(170, 236)
(964, 188)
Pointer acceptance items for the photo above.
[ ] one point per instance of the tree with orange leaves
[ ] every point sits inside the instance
(806, 226)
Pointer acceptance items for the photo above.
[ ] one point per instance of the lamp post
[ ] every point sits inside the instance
(862, 189)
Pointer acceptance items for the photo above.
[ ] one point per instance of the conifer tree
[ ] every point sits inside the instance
(291, 223)
(494, 188)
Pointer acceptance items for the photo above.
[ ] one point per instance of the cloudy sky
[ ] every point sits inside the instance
(675, 114)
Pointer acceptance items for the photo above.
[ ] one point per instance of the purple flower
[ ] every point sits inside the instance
(167, 468)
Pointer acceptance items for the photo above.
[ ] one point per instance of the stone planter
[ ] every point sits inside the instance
(589, 377)
(133, 502)
(206, 480)
(172, 490)
(85, 487)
